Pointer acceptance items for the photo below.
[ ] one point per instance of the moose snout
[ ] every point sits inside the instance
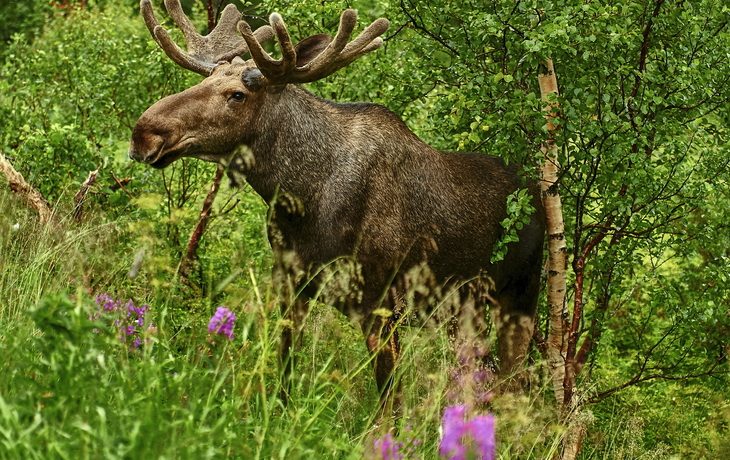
(146, 149)
(156, 136)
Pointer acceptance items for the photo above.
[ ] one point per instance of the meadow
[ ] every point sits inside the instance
(109, 352)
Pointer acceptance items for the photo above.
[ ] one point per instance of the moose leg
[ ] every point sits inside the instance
(291, 335)
(288, 275)
(469, 333)
(515, 325)
(382, 341)
(513, 339)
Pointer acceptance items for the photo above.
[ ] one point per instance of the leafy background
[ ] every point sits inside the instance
(645, 109)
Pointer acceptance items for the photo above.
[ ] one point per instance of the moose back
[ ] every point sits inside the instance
(353, 192)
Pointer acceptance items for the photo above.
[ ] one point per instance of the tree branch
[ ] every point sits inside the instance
(644, 378)
(29, 194)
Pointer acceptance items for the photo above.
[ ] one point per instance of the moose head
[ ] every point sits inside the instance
(221, 113)
(365, 216)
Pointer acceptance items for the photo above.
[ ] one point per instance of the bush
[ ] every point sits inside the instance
(71, 97)
(22, 20)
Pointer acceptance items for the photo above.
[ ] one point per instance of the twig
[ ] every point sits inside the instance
(194, 242)
(122, 183)
(80, 196)
(639, 378)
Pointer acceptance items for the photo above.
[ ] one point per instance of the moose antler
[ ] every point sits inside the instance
(222, 44)
(337, 54)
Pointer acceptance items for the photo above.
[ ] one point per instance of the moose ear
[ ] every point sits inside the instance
(310, 48)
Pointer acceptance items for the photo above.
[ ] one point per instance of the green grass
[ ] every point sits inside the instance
(69, 388)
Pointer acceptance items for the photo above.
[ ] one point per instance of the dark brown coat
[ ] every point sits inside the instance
(364, 215)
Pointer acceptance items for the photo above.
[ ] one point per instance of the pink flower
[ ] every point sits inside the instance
(455, 429)
(222, 322)
(388, 448)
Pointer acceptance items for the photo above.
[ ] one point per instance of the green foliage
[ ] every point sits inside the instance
(69, 344)
(644, 153)
(21, 20)
(519, 210)
(70, 98)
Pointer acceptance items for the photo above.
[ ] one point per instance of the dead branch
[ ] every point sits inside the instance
(639, 378)
(80, 196)
(191, 255)
(120, 183)
(29, 194)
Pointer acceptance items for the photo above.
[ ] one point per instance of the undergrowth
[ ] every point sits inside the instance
(101, 366)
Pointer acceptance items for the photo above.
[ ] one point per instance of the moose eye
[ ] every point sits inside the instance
(237, 96)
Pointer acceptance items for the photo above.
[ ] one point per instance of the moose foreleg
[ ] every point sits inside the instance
(291, 335)
(382, 341)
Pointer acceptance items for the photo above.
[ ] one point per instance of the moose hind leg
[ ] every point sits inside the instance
(515, 323)
(383, 342)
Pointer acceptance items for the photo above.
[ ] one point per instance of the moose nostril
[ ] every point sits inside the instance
(134, 153)
(146, 147)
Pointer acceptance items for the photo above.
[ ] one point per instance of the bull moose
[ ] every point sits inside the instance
(364, 215)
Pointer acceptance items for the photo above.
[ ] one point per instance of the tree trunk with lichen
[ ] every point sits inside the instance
(561, 371)
(557, 258)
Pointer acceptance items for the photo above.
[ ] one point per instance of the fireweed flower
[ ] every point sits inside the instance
(470, 375)
(127, 318)
(480, 429)
(462, 377)
(106, 305)
(388, 448)
(132, 323)
(222, 322)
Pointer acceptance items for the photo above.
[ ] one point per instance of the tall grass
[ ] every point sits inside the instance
(70, 388)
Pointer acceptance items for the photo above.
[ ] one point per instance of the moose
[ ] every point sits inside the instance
(364, 215)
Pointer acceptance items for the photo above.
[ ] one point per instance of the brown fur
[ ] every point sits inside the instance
(354, 192)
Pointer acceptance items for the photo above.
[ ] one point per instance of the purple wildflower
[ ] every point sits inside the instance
(127, 318)
(455, 429)
(388, 448)
(107, 303)
(470, 375)
(222, 322)
(139, 311)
